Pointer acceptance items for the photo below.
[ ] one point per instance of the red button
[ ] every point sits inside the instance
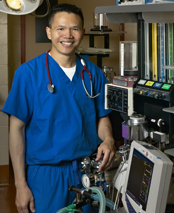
(146, 153)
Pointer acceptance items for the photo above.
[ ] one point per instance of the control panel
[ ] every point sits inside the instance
(119, 98)
(153, 89)
(152, 93)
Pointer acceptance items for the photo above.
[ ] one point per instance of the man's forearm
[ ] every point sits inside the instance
(107, 148)
(105, 129)
(17, 150)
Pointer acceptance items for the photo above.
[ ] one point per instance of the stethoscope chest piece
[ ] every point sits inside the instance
(50, 88)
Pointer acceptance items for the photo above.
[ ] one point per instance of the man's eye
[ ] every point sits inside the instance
(60, 28)
(76, 29)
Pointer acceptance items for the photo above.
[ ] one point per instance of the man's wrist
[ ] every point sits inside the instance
(20, 184)
(109, 139)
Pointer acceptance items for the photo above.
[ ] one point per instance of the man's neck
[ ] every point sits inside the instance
(66, 61)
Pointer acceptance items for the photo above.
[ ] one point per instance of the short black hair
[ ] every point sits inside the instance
(69, 8)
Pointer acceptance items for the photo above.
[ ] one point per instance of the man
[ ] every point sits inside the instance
(51, 131)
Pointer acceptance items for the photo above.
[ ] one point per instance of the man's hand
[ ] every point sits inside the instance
(24, 200)
(107, 148)
(24, 197)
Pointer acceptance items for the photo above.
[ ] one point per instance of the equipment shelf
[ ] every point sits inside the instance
(130, 13)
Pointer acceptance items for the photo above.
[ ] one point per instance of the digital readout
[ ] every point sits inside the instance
(166, 86)
(141, 81)
(150, 83)
(157, 85)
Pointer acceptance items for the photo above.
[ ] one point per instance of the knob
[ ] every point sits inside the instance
(163, 95)
(156, 95)
(145, 92)
(114, 97)
(137, 90)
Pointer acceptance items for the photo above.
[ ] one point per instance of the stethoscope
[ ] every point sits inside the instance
(51, 87)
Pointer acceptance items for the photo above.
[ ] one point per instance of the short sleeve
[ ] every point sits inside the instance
(19, 102)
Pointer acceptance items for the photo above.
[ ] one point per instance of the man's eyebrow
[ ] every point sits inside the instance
(60, 26)
(75, 26)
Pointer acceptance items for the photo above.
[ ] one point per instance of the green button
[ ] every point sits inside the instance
(166, 86)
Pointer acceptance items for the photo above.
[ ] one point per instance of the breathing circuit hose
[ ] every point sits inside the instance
(99, 197)
(70, 208)
(109, 203)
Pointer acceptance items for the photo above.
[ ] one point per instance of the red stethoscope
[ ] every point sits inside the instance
(51, 87)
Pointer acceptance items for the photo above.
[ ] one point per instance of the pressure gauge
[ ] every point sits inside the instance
(88, 180)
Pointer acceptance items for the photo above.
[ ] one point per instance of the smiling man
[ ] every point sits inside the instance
(52, 130)
(66, 32)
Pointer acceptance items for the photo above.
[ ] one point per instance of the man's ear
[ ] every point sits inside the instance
(48, 31)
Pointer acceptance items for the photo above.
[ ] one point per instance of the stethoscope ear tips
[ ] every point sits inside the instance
(50, 88)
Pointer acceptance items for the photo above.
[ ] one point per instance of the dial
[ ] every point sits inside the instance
(88, 180)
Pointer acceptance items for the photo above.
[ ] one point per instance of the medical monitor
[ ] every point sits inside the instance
(147, 179)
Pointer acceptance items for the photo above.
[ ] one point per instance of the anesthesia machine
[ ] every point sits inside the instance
(144, 186)
(143, 94)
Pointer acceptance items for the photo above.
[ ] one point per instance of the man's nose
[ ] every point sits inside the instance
(69, 33)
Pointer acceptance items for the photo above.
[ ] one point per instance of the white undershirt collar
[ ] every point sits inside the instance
(68, 71)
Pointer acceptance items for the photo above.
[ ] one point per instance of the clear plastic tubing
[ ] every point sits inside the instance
(101, 197)
(109, 203)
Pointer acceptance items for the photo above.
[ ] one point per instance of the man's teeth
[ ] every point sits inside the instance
(67, 43)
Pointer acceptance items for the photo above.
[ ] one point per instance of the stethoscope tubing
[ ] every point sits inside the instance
(48, 72)
(50, 86)
(81, 74)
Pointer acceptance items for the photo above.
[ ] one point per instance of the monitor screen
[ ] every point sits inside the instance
(139, 179)
(147, 179)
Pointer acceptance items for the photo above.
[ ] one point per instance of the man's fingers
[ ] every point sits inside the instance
(32, 206)
(99, 155)
(107, 161)
(104, 162)
(23, 209)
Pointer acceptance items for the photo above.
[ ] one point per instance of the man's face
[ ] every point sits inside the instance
(66, 33)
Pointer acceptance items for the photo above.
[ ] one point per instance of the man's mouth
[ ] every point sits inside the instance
(65, 43)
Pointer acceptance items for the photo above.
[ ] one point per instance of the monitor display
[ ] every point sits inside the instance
(140, 179)
(147, 179)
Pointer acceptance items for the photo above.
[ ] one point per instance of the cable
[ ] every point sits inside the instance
(42, 16)
(118, 192)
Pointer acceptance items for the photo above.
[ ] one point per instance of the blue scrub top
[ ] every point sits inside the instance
(59, 126)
